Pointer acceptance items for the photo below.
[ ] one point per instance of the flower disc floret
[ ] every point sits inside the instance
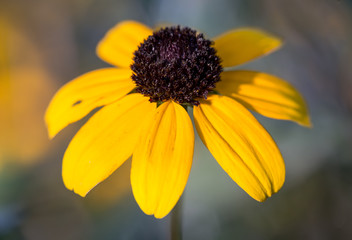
(176, 63)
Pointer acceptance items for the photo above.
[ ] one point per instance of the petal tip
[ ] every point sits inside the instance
(51, 132)
(81, 193)
(276, 44)
(160, 216)
(51, 135)
(307, 123)
(77, 190)
(266, 196)
(304, 121)
(277, 41)
(262, 200)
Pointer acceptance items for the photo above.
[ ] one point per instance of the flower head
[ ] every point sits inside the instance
(176, 63)
(144, 98)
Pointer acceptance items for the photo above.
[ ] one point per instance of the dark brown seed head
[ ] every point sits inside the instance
(176, 63)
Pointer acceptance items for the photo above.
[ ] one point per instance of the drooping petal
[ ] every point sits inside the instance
(243, 45)
(121, 41)
(265, 94)
(104, 143)
(241, 146)
(85, 93)
(162, 160)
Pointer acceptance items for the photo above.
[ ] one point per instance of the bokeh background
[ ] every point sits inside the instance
(46, 43)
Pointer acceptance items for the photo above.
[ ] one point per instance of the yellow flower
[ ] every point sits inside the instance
(25, 87)
(158, 76)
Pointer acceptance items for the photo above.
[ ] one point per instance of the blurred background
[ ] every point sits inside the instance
(46, 43)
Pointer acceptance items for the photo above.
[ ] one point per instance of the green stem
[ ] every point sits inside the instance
(176, 223)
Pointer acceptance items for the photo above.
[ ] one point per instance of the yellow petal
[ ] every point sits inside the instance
(243, 45)
(265, 94)
(85, 93)
(121, 41)
(104, 143)
(242, 147)
(162, 160)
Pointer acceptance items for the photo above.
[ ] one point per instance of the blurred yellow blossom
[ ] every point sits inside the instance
(25, 88)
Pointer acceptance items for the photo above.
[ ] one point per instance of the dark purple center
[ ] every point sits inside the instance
(176, 63)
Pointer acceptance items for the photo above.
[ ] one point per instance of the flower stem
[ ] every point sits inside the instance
(176, 223)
